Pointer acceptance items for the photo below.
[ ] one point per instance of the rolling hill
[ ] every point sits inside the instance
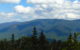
(53, 28)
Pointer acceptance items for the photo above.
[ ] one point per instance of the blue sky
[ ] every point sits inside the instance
(8, 7)
(27, 10)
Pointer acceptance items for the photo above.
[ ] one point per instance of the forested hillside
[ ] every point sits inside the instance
(40, 43)
(53, 28)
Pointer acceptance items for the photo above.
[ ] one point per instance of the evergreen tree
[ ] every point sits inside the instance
(75, 37)
(13, 42)
(76, 47)
(59, 45)
(12, 39)
(70, 38)
(43, 44)
(70, 44)
(2, 45)
(53, 45)
(34, 39)
(56, 45)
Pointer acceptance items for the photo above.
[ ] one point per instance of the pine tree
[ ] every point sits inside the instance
(70, 43)
(34, 39)
(42, 38)
(12, 39)
(54, 45)
(43, 42)
(75, 42)
(75, 37)
(59, 45)
(70, 38)
(13, 42)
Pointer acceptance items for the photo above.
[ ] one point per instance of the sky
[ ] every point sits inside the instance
(27, 10)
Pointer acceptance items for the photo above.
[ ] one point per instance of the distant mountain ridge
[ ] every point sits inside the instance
(53, 28)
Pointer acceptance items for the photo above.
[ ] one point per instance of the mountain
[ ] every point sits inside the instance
(53, 28)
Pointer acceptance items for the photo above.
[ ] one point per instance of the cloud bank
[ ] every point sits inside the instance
(60, 9)
(10, 1)
(42, 9)
(51, 9)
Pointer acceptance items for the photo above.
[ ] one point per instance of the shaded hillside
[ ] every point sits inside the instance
(53, 28)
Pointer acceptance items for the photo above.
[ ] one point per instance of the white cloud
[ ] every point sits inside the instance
(73, 15)
(22, 9)
(10, 14)
(47, 9)
(10, 1)
(45, 1)
(7, 17)
(60, 9)
(43, 9)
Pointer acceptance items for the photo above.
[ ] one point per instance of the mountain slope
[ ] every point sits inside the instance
(53, 28)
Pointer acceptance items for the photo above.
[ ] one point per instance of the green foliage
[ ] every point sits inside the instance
(43, 43)
(34, 40)
(39, 43)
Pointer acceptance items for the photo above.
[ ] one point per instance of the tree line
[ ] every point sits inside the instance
(40, 43)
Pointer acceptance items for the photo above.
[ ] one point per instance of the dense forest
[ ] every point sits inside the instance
(40, 42)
